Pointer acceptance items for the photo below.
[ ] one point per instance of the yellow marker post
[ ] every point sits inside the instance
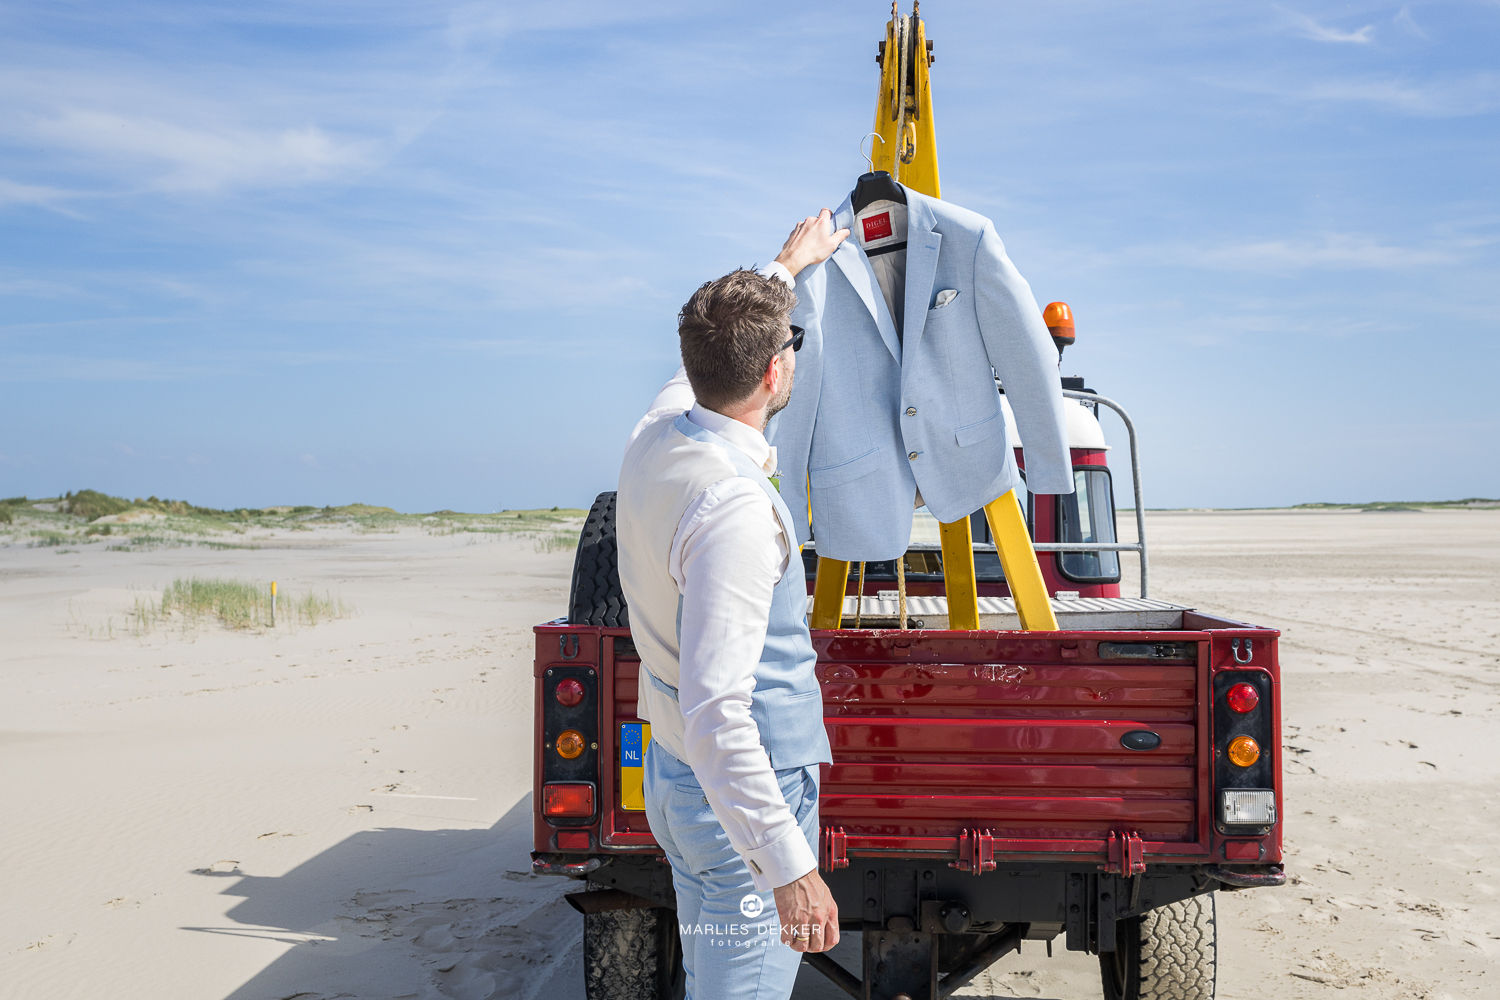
(828, 594)
(273, 603)
(1023, 574)
(959, 578)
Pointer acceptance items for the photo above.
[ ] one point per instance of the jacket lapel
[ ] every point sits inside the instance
(921, 265)
(856, 267)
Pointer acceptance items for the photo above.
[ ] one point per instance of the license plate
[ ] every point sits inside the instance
(634, 738)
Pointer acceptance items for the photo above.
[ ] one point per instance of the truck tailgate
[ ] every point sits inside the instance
(1015, 738)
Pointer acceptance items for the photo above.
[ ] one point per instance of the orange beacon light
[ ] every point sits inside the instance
(1059, 320)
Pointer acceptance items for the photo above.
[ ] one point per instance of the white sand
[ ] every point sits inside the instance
(343, 810)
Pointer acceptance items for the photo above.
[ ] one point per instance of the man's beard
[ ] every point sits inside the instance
(778, 402)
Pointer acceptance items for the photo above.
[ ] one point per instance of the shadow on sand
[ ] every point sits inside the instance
(434, 914)
(448, 915)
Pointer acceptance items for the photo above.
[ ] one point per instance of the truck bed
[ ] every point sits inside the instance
(990, 748)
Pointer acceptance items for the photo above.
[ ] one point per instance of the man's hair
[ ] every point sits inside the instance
(729, 330)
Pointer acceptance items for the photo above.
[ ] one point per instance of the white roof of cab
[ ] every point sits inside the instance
(1083, 427)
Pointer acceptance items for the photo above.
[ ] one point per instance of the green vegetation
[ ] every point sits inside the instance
(1470, 503)
(239, 604)
(92, 505)
(150, 522)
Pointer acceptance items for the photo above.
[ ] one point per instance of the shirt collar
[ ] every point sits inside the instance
(744, 437)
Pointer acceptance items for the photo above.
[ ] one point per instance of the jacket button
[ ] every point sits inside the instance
(912, 456)
(911, 411)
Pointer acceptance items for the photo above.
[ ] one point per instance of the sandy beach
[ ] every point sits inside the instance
(341, 809)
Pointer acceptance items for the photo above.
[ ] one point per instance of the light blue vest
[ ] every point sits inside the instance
(787, 704)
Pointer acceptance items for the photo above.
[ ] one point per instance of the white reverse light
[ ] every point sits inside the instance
(1249, 806)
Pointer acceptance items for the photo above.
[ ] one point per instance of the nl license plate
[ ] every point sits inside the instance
(634, 738)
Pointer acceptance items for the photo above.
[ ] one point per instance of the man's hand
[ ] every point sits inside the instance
(809, 916)
(809, 244)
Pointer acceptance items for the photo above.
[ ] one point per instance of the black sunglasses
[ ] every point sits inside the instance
(796, 342)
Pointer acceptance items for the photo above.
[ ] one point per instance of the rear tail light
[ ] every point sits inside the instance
(570, 743)
(567, 799)
(1243, 751)
(1242, 698)
(569, 692)
(1248, 807)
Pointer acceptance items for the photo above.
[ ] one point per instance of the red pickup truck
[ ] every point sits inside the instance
(1096, 784)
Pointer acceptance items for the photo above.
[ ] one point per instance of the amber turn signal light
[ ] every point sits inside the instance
(568, 800)
(570, 743)
(1242, 698)
(1243, 751)
(569, 693)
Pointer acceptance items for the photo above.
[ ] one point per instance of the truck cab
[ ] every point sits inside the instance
(1086, 516)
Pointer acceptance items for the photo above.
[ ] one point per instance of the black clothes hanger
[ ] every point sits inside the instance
(873, 187)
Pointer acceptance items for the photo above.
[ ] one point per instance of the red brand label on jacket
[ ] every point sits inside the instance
(877, 227)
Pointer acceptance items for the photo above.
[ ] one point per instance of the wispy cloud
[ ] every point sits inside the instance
(1330, 251)
(12, 193)
(179, 157)
(1404, 19)
(1451, 97)
(64, 368)
(1308, 28)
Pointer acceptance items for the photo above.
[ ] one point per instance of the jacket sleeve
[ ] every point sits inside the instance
(791, 430)
(1022, 353)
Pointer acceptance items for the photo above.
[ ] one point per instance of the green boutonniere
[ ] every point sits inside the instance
(775, 479)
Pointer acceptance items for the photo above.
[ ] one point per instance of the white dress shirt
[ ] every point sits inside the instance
(727, 555)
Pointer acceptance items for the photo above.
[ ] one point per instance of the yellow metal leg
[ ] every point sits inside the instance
(959, 577)
(828, 594)
(1022, 572)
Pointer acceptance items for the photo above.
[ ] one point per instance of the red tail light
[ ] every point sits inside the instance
(562, 799)
(1242, 698)
(569, 692)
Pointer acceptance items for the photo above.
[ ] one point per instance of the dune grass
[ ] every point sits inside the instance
(240, 604)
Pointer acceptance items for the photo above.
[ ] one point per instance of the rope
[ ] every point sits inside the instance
(859, 600)
(901, 587)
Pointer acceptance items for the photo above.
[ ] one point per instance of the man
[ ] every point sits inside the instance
(710, 569)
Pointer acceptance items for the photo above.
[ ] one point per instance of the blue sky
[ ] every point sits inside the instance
(429, 255)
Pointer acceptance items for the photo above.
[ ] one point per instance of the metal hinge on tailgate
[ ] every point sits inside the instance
(1127, 855)
(835, 848)
(976, 852)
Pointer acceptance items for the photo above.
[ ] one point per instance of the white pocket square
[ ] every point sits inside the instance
(944, 297)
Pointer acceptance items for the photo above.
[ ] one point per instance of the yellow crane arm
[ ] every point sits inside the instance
(907, 149)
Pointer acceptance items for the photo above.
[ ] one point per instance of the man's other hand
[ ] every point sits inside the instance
(809, 916)
(810, 243)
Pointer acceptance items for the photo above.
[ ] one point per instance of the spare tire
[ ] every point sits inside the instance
(596, 598)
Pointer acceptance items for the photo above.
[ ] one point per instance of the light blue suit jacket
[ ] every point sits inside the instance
(863, 402)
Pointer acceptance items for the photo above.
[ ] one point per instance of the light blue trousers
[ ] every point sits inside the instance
(731, 937)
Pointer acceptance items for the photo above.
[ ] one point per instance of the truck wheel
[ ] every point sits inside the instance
(1167, 954)
(596, 598)
(632, 955)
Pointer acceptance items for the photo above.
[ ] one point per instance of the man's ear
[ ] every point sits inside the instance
(773, 374)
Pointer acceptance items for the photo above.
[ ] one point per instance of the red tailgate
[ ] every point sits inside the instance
(1014, 736)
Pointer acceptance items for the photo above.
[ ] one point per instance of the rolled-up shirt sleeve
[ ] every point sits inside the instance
(730, 563)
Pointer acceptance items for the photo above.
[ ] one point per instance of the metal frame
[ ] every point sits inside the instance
(1138, 546)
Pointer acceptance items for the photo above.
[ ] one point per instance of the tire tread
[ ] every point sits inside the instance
(595, 597)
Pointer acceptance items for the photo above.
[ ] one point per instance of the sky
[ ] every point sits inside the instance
(430, 255)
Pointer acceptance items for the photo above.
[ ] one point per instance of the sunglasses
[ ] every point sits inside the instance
(796, 342)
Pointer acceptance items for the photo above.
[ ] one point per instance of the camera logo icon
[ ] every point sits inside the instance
(752, 906)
